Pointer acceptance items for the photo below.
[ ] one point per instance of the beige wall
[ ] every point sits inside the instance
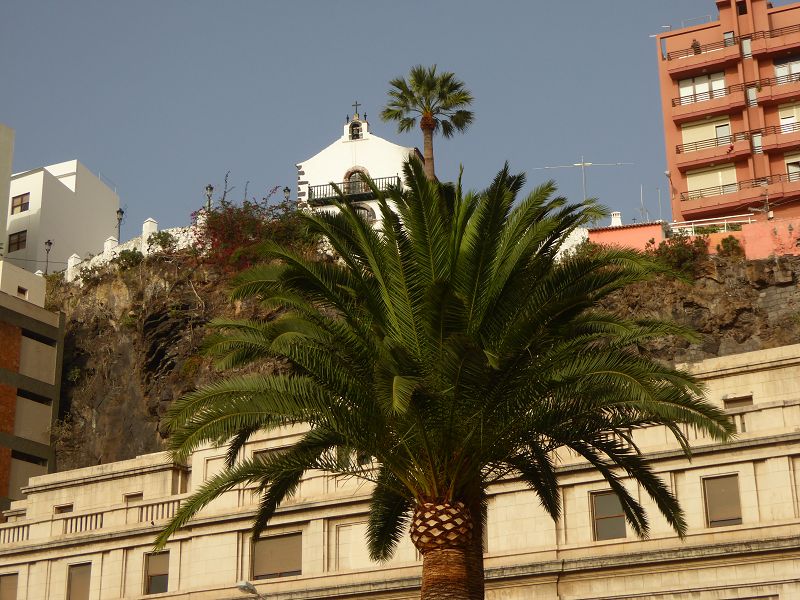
(37, 360)
(528, 555)
(13, 277)
(32, 420)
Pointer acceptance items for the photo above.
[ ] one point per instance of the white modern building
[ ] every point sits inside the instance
(6, 160)
(88, 534)
(357, 152)
(64, 203)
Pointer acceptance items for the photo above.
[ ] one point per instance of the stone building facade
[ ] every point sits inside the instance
(88, 534)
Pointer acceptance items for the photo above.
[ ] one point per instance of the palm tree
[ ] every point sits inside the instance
(438, 99)
(453, 350)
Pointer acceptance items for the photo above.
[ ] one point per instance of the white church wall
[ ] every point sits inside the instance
(374, 155)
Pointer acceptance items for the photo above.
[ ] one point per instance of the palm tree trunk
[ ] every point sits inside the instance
(445, 575)
(427, 124)
(442, 532)
(474, 555)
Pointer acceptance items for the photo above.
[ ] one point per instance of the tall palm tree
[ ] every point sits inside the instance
(439, 100)
(454, 350)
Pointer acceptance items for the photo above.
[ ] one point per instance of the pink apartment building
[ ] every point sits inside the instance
(730, 91)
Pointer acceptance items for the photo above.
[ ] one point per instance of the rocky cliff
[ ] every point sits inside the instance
(133, 336)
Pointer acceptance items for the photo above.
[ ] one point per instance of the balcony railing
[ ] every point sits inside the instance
(724, 140)
(781, 80)
(81, 523)
(773, 33)
(732, 188)
(784, 128)
(702, 49)
(355, 189)
(709, 95)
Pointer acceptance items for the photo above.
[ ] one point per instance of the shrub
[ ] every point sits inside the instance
(730, 247)
(682, 253)
(162, 241)
(127, 259)
(230, 234)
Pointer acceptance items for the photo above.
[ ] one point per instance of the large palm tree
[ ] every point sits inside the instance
(438, 100)
(454, 350)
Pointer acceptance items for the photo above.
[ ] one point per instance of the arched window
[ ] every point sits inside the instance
(365, 212)
(355, 130)
(354, 182)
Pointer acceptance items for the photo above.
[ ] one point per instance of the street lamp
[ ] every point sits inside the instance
(209, 191)
(120, 214)
(48, 245)
(286, 192)
(248, 588)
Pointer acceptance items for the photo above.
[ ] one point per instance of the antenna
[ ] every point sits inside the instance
(583, 164)
(642, 210)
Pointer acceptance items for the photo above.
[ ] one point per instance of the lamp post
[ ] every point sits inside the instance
(248, 588)
(48, 245)
(286, 192)
(209, 191)
(120, 214)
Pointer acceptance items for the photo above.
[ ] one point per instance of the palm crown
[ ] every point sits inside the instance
(451, 348)
(438, 100)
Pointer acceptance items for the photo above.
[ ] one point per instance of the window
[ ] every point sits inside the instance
(741, 7)
(8, 586)
(62, 509)
(355, 183)
(156, 572)
(722, 501)
(78, 578)
(133, 498)
(20, 203)
(738, 401)
(607, 515)
(22, 292)
(355, 130)
(728, 38)
(277, 556)
(787, 70)
(722, 133)
(793, 170)
(702, 87)
(747, 48)
(17, 241)
(751, 94)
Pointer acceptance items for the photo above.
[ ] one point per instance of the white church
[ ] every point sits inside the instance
(357, 152)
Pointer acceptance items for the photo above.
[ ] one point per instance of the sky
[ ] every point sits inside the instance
(162, 98)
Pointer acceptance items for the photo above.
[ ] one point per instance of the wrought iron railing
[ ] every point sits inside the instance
(731, 188)
(354, 189)
(723, 140)
(783, 128)
(709, 95)
(773, 33)
(715, 46)
(702, 48)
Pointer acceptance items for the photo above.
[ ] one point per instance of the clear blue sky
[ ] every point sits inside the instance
(164, 97)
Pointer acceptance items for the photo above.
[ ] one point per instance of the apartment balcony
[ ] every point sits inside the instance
(775, 41)
(708, 104)
(779, 90)
(781, 138)
(740, 196)
(704, 153)
(352, 191)
(695, 60)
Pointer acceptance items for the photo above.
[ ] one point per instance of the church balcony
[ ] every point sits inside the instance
(349, 191)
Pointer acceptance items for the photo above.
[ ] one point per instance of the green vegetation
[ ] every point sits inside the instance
(437, 356)
(439, 100)
(687, 255)
(730, 247)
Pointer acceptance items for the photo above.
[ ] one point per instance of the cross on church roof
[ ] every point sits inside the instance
(355, 105)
